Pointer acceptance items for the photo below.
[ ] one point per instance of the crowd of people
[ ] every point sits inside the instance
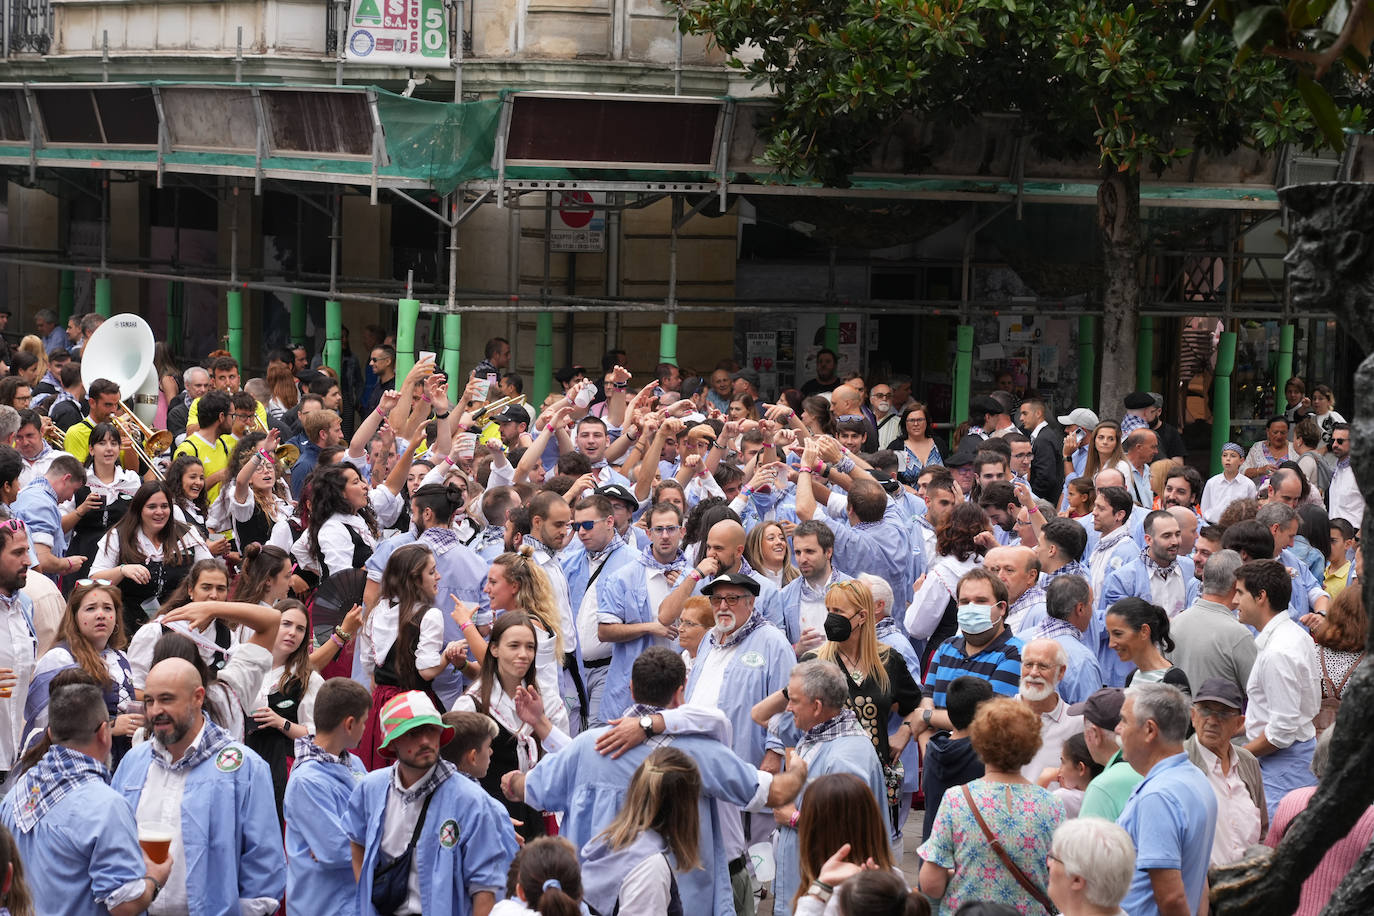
(352, 645)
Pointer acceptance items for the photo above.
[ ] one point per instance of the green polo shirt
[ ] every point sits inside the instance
(1106, 795)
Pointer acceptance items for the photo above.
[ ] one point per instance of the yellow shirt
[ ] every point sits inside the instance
(1335, 579)
(193, 418)
(77, 442)
(214, 457)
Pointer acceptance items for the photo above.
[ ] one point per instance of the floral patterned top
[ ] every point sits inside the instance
(1023, 817)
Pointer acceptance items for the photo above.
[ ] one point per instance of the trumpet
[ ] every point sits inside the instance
(286, 453)
(155, 441)
(54, 435)
(488, 409)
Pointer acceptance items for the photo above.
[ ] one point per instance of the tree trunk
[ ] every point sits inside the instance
(1118, 220)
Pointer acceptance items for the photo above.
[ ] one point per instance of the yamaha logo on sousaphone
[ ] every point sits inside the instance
(121, 351)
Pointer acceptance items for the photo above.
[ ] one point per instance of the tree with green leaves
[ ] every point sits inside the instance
(1138, 85)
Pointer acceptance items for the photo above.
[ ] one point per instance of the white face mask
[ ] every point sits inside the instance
(975, 618)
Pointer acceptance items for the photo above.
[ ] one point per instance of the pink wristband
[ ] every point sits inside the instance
(792, 821)
(264, 456)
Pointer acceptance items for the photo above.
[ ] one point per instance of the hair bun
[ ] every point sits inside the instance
(526, 551)
(456, 495)
(252, 552)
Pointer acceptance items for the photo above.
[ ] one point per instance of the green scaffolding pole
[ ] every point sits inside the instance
(236, 326)
(963, 371)
(66, 296)
(667, 343)
(407, 315)
(1144, 353)
(103, 306)
(333, 334)
(297, 318)
(1221, 396)
(453, 340)
(1087, 359)
(1284, 370)
(543, 357)
(832, 331)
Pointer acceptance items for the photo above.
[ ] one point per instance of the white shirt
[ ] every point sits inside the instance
(107, 557)
(928, 606)
(18, 651)
(38, 466)
(548, 561)
(644, 890)
(140, 651)
(398, 825)
(1346, 499)
(1284, 688)
(305, 714)
(1238, 820)
(1171, 593)
(1220, 493)
(1137, 483)
(380, 630)
(160, 803)
(281, 535)
(1056, 727)
(593, 649)
(336, 544)
(707, 690)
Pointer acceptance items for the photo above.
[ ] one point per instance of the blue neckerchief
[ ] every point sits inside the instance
(616, 542)
(648, 561)
(1154, 569)
(755, 621)
(441, 538)
(843, 725)
(50, 780)
(210, 742)
(428, 783)
(307, 749)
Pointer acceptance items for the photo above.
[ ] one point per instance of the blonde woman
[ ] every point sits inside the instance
(516, 583)
(878, 679)
(630, 867)
(768, 554)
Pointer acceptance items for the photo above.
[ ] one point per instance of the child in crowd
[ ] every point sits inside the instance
(1076, 769)
(1338, 561)
(544, 879)
(1228, 486)
(950, 760)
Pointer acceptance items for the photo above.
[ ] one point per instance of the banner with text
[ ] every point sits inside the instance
(409, 33)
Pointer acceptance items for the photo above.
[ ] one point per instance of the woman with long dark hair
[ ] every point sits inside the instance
(186, 484)
(402, 641)
(284, 708)
(507, 692)
(839, 810)
(90, 637)
(255, 498)
(147, 553)
(344, 523)
(629, 867)
(113, 487)
(914, 446)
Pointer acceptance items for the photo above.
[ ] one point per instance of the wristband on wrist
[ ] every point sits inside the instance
(792, 821)
(449, 459)
(381, 413)
(443, 416)
(264, 456)
(805, 471)
(695, 575)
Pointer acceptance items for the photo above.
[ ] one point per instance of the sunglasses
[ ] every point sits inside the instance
(12, 524)
(586, 526)
(87, 583)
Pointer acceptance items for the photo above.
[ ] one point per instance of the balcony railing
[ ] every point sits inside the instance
(29, 26)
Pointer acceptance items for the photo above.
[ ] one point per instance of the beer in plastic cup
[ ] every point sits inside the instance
(156, 840)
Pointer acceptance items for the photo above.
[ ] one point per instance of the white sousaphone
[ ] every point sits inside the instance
(121, 351)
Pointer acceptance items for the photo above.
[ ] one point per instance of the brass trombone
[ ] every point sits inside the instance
(487, 410)
(118, 423)
(155, 441)
(286, 453)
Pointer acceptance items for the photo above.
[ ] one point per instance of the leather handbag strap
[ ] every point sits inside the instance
(1021, 877)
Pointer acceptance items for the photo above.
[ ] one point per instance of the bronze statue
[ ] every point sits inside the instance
(1332, 267)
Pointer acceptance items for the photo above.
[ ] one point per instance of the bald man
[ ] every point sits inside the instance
(724, 554)
(848, 401)
(1187, 526)
(1019, 569)
(212, 794)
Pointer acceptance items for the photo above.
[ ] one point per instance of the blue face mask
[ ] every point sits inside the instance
(975, 618)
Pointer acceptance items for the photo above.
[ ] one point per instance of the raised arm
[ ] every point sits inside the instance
(367, 430)
(263, 621)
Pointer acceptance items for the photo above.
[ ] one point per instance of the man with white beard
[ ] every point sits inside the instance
(1043, 662)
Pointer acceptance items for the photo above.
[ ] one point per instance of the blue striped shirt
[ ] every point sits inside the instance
(998, 662)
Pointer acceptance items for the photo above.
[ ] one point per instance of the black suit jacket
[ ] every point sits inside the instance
(1047, 465)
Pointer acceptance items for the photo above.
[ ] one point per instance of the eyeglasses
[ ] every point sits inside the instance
(1213, 712)
(1051, 857)
(86, 583)
(730, 601)
(1038, 666)
(684, 623)
(586, 526)
(664, 530)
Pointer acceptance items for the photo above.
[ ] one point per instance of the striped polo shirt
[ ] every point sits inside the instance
(998, 662)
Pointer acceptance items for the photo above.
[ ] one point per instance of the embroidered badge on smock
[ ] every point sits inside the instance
(229, 760)
(448, 834)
